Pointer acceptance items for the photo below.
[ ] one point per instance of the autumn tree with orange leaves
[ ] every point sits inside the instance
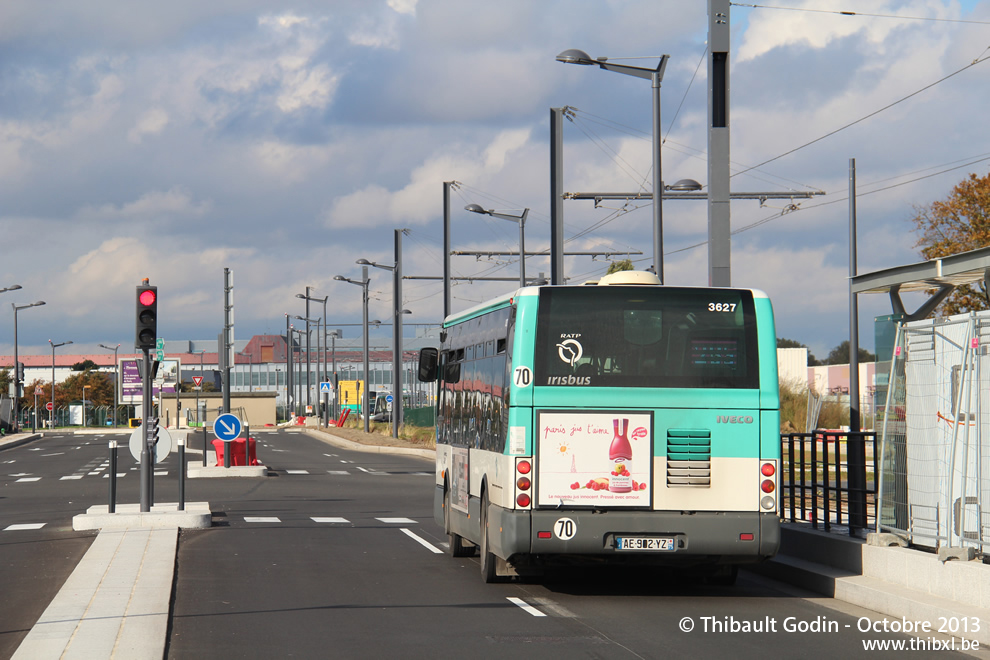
(959, 223)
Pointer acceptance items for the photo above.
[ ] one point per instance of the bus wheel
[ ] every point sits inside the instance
(457, 547)
(488, 560)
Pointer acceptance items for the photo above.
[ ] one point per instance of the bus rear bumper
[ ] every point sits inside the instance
(695, 537)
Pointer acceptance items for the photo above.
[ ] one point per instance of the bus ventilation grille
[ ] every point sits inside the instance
(689, 458)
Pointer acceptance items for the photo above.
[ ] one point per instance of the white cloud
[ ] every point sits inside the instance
(151, 122)
(150, 206)
(403, 6)
(415, 203)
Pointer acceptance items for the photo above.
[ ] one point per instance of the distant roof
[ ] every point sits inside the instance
(957, 270)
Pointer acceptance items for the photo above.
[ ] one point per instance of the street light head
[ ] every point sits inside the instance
(476, 208)
(299, 295)
(363, 262)
(685, 185)
(340, 278)
(575, 56)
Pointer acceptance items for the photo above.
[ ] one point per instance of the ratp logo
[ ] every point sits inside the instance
(570, 351)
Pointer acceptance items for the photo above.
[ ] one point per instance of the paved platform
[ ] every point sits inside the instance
(115, 604)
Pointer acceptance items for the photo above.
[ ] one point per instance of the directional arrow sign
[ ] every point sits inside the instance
(227, 427)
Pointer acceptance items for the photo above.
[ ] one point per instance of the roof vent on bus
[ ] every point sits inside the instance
(627, 277)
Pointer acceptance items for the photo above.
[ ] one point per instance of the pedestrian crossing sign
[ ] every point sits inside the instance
(326, 388)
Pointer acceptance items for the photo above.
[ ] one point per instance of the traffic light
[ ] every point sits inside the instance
(146, 328)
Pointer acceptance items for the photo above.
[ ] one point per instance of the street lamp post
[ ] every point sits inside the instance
(116, 379)
(333, 334)
(317, 322)
(51, 420)
(575, 56)
(363, 283)
(521, 221)
(397, 312)
(17, 367)
(324, 299)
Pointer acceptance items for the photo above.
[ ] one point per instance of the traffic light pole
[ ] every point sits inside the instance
(146, 473)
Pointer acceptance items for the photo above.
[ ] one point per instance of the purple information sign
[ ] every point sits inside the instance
(130, 380)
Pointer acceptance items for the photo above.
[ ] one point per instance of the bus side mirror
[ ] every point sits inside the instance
(428, 358)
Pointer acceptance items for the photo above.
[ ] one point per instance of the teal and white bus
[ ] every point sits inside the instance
(618, 422)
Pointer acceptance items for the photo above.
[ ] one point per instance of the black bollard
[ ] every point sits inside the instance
(247, 446)
(182, 473)
(112, 505)
(204, 444)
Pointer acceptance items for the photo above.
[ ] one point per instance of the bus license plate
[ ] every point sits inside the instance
(644, 543)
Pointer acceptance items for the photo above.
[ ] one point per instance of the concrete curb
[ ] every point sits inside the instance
(196, 515)
(214, 472)
(18, 439)
(332, 439)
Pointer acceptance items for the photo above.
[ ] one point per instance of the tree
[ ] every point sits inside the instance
(99, 388)
(616, 266)
(5, 380)
(85, 365)
(957, 224)
(840, 354)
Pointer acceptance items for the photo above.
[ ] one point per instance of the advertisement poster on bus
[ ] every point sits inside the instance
(131, 388)
(594, 459)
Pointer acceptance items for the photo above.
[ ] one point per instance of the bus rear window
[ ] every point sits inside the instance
(646, 337)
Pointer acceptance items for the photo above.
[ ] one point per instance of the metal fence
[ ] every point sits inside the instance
(935, 467)
(819, 486)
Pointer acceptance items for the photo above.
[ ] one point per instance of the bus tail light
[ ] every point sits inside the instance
(524, 484)
(768, 485)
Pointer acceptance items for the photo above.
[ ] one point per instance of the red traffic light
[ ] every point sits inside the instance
(147, 297)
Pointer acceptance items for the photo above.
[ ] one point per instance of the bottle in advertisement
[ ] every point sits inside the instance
(620, 454)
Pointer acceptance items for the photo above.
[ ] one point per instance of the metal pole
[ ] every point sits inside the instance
(247, 445)
(397, 336)
(446, 248)
(364, 322)
(522, 250)
(556, 196)
(146, 428)
(204, 443)
(17, 375)
(719, 230)
(227, 338)
(308, 383)
(856, 450)
(288, 369)
(657, 180)
(51, 416)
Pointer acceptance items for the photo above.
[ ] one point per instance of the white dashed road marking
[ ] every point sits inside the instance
(527, 608)
(330, 520)
(28, 479)
(396, 521)
(297, 471)
(71, 476)
(119, 475)
(338, 472)
(17, 528)
(261, 519)
(423, 542)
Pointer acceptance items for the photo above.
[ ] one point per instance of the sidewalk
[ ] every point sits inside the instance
(894, 581)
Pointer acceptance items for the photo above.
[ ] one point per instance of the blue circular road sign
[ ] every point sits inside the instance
(227, 427)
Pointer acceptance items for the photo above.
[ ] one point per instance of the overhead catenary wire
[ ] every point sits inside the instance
(859, 13)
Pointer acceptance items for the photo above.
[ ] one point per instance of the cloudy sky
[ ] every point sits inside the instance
(284, 140)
